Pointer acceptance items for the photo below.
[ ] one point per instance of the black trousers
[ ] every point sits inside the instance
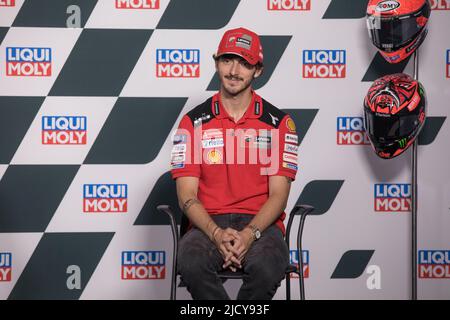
(264, 265)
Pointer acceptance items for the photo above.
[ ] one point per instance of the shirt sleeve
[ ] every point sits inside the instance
(287, 148)
(183, 162)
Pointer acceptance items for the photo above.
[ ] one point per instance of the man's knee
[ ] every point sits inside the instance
(191, 259)
(195, 258)
(266, 270)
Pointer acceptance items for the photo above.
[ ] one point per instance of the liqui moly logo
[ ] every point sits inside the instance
(350, 131)
(64, 130)
(27, 62)
(434, 264)
(294, 260)
(440, 4)
(289, 5)
(448, 63)
(392, 197)
(137, 4)
(143, 265)
(5, 266)
(7, 3)
(324, 64)
(178, 63)
(105, 198)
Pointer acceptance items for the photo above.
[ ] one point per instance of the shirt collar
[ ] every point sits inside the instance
(254, 110)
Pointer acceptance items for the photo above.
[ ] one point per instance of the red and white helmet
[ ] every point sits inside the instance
(398, 27)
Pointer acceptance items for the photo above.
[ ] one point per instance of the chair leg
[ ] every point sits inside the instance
(300, 258)
(300, 277)
(288, 286)
(173, 286)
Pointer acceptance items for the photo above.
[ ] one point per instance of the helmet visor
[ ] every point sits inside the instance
(391, 34)
(389, 128)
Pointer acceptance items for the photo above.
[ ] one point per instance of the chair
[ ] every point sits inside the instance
(302, 210)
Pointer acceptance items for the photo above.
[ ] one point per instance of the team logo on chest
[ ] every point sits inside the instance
(215, 157)
(212, 138)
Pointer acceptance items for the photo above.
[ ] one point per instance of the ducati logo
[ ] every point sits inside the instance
(274, 119)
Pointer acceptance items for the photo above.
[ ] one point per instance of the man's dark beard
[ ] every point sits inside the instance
(229, 77)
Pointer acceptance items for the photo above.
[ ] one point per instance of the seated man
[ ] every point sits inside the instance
(233, 159)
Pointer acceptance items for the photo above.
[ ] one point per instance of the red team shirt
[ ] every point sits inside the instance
(233, 161)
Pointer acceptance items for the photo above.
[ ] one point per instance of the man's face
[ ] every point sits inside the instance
(235, 73)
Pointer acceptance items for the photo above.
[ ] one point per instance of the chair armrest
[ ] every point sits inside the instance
(168, 210)
(299, 209)
(173, 224)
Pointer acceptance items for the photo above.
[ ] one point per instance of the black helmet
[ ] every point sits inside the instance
(394, 114)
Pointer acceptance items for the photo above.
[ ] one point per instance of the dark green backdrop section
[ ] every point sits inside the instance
(346, 9)
(101, 62)
(51, 13)
(30, 195)
(135, 130)
(16, 116)
(59, 263)
(197, 14)
(164, 192)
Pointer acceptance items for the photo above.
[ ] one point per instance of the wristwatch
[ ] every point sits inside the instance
(255, 231)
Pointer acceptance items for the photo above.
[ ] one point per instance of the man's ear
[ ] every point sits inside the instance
(258, 72)
(216, 61)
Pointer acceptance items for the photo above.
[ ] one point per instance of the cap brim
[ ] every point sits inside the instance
(236, 54)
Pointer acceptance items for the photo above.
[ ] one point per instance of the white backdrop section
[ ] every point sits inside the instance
(97, 108)
(61, 41)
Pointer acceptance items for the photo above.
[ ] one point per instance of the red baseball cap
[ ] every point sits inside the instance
(241, 42)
